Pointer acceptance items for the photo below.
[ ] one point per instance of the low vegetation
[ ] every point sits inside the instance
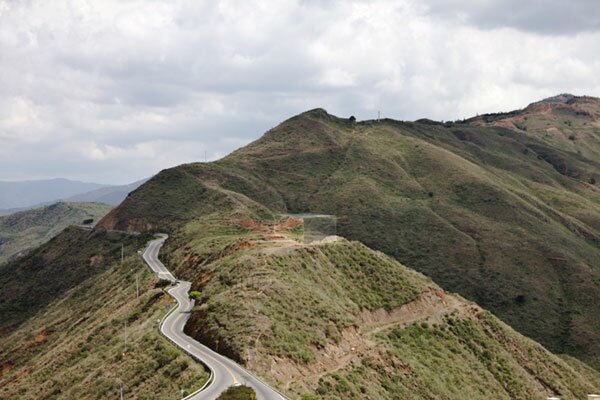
(194, 295)
(459, 357)
(350, 277)
(495, 208)
(338, 320)
(90, 336)
(504, 216)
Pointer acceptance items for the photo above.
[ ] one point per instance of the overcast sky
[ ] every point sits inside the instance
(113, 91)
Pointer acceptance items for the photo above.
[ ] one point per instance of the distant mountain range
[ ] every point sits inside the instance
(112, 195)
(31, 193)
(25, 195)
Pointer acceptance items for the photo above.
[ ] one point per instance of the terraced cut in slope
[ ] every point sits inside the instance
(507, 217)
(336, 319)
(92, 335)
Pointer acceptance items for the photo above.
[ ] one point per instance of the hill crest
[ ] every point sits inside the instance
(496, 213)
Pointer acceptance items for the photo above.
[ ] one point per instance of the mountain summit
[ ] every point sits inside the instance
(561, 98)
(503, 209)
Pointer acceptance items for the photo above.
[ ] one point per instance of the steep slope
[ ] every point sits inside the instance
(30, 193)
(495, 214)
(57, 266)
(26, 230)
(72, 326)
(338, 320)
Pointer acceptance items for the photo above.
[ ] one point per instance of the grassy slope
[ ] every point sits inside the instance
(570, 126)
(74, 343)
(280, 273)
(471, 358)
(57, 266)
(26, 230)
(338, 320)
(503, 217)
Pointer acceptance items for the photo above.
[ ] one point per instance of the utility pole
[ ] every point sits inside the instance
(378, 115)
(137, 285)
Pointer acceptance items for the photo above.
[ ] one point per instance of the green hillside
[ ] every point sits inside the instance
(34, 280)
(503, 216)
(337, 320)
(23, 231)
(568, 123)
(328, 320)
(71, 326)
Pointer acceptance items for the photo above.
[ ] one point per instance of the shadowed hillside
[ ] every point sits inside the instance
(72, 327)
(57, 266)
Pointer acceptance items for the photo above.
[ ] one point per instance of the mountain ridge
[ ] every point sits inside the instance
(18, 194)
(480, 208)
(501, 215)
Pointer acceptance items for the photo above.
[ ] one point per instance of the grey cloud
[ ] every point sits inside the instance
(118, 90)
(549, 17)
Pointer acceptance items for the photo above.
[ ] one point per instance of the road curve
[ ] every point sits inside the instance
(226, 373)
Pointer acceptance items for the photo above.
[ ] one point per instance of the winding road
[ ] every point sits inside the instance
(225, 372)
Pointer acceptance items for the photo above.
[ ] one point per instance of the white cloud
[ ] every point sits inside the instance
(337, 77)
(114, 91)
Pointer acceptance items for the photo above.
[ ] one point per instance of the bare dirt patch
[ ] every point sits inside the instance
(40, 337)
(96, 260)
(6, 368)
(290, 223)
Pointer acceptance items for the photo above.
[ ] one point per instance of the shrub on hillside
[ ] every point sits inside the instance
(238, 393)
(194, 295)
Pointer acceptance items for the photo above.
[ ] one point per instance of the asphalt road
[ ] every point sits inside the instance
(226, 373)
